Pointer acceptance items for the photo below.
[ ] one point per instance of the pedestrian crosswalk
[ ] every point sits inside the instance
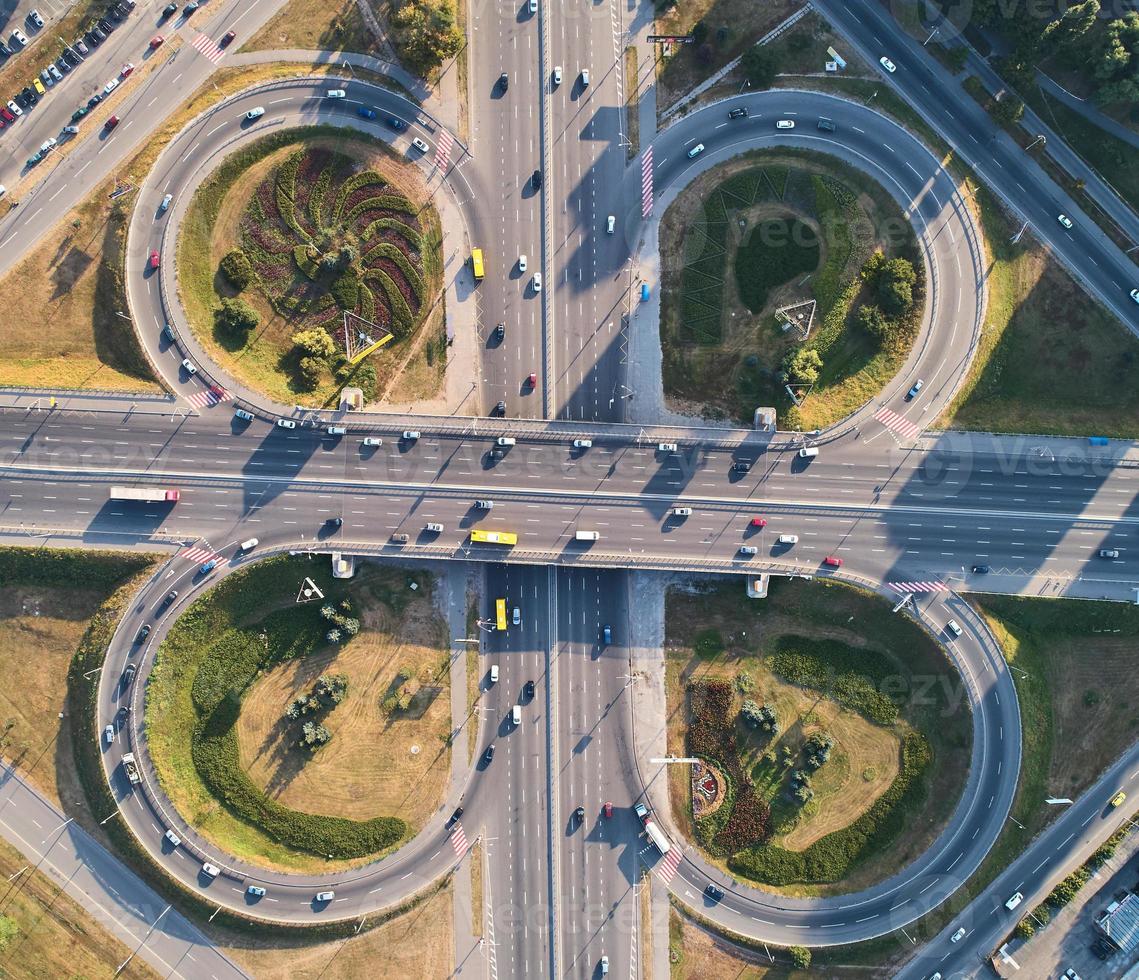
(668, 865)
(209, 398)
(930, 586)
(207, 46)
(895, 423)
(647, 182)
(443, 149)
(459, 840)
(199, 553)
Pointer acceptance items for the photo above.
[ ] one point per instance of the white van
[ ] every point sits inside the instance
(373, 441)
(666, 447)
(494, 673)
(587, 536)
(336, 430)
(954, 627)
(506, 440)
(516, 714)
(809, 452)
(682, 511)
(1013, 902)
(248, 544)
(788, 539)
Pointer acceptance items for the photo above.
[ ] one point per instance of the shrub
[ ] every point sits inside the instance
(308, 373)
(1024, 929)
(800, 957)
(759, 65)
(699, 32)
(871, 319)
(236, 316)
(803, 365)
(708, 643)
(836, 670)
(345, 290)
(237, 269)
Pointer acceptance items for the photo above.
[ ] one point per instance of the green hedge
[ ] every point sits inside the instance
(847, 675)
(832, 857)
(68, 568)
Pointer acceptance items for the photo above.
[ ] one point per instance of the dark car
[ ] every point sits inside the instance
(105, 25)
(366, 112)
(536, 180)
(488, 754)
(170, 597)
(499, 409)
(143, 633)
(982, 569)
(528, 690)
(579, 814)
(128, 674)
(713, 893)
(740, 113)
(334, 521)
(30, 95)
(94, 101)
(72, 57)
(741, 465)
(169, 10)
(226, 39)
(90, 37)
(396, 124)
(190, 8)
(455, 816)
(500, 332)
(504, 81)
(21, 100)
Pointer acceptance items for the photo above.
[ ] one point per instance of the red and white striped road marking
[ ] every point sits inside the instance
(647, 182)
(443, 149)
(893, 421)
(668, 865)
(919, 586)
(206, 45)
(459, 840)
(198, 553)
(207, 399)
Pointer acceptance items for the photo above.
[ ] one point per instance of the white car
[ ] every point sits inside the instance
(211, 870)
(666, 447)
(748, 549)
(585, 78)
(696, 151)
(15, 109)
(521, 263)
(537, 282)
(373, 441)
(189, 366)
(325, 896)
(256, 112)
(1134, 292)
(887, 64)
(682, 511)
(286, 423)
(954, 627)
(785, 124)
(255, 891)
(174, 839)
(410, 435)
(958, 935)
(583, 444)
(110, 86)
(337, 93)
(165, 205)
(1064, 220)
(37, 19)
(419, 145)
(109, 734)
(558, 75)
(434, 528)
(21, 38)
(610, 224)
(533, 6)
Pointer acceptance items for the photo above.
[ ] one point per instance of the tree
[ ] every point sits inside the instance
(873, 321)
(752, 714)
(236, 316)
(896, 279)
(308, 372)
(800, 957)
(1024, 929)
(803, 366)
(426, 33)
(759, 66)
(314, 735)
(1008, 110)
(333, 636)
(237, 268)
(1070, 26)
(699, 32)
(704, 53)
(317, 343)
(956, 57)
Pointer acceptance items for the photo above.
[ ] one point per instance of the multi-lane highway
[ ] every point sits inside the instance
(544, 170)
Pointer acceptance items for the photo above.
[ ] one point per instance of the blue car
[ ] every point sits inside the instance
(396, 124)
(208, 567)
(366, 112)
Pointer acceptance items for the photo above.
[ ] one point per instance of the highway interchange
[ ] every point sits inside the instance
(894, 508)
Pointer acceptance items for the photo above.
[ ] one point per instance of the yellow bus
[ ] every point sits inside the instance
(476, 263)
(494, 537)
(500, 613)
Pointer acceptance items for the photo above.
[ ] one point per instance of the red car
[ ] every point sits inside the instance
(154, 259)
(8, 117)
(217, 391)
(112, 122)
(229, 36)
(127, 69)
(833, 561)
(759, 522)
(608, 809)
(532, 381)
(157, 41)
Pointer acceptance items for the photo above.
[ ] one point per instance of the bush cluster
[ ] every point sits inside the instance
(832, 857)
(842, 674)
(237, 268)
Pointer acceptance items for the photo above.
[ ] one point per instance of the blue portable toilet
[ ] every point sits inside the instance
(644, 292)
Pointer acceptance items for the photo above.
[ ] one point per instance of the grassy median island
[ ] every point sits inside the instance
(292, 232)
(870, 741)
(315, 786)
(769, 230)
